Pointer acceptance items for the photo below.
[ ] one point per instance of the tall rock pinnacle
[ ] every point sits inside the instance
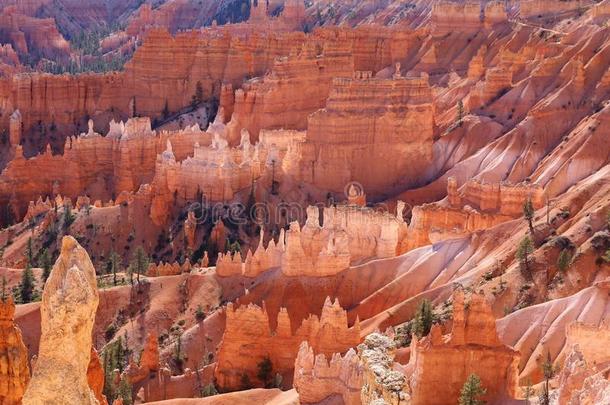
(69, 304)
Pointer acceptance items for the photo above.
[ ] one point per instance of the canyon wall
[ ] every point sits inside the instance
(377, 132)
(248, 340)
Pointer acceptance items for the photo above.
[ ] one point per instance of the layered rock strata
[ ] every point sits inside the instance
(387, 123)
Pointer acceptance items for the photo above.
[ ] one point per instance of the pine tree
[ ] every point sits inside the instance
(178, 355)
(26, 287)
(460, 112)
(245, 382)
(125, 392)
(29, 253)
(526, 247)
(68, 217)
(45, 263)
(3, 291)
(165, 111)
(265, 371)
(198, 96)
(471, 391)
(528, 213)
(113, 265)
(548, 371)
(422, 322)
(139, 263)
(564, 260)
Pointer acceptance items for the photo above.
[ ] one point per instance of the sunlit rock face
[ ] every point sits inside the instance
(317, 377)
(69, 304)
(14, 369)
(439, 365)
(248, 339)
(377, 132)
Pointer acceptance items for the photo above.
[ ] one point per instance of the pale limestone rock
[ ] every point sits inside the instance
(69, 303)
(315, 378)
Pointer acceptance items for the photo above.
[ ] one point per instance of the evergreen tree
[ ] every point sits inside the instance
(198, 96)
(45, 263)
(528, 213)
(3, 291)
(125, 392)
(209, 390)
(113, 265)
(68, 217)
(245, 382)
(526, 247)
(422, 322)
(165, 111)
(564, 260)
(265, 371)
(460, 112)
(26, 287)
(29, 253)
(178, 355)
(548, 372)
(139, 263)
(471, 391)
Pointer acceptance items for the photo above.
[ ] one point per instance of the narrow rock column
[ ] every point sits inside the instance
(69, 303)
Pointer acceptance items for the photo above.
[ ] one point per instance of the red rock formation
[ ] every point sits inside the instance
(36, 35)
(15, 128)
(216, 170)
(14, 369)
(477, 205)
(472, 347)
(447, 16)
(316, 379)
(349, 234)
(92, 164)
(365, 133)
(95, 377)
(190, 228)
(534, 8)
(297, 86)
(248, 339)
